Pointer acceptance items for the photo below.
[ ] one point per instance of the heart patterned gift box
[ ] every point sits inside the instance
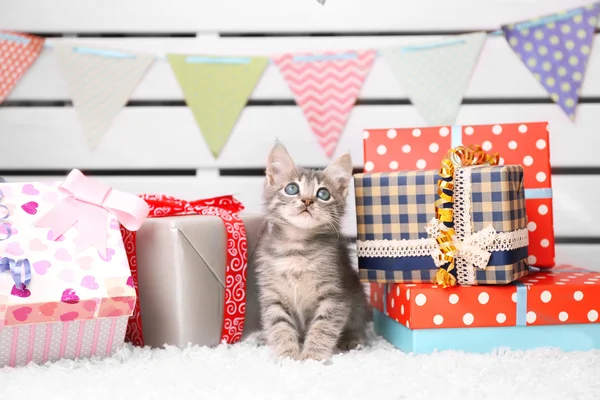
(66, 290)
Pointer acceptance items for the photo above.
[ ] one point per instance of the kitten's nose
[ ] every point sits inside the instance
(307, 202)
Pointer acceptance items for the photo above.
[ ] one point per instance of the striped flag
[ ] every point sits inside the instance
(100, 82)
(326, 86)
(18, 51)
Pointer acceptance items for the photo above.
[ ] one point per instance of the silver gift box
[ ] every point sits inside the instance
(181, 274)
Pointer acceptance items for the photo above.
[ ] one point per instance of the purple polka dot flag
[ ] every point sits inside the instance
(556, 49)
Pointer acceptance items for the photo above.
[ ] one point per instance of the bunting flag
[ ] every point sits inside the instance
(436, 75)
(326, 87)
(100, 82)
(216, 89)
(18, 51)
(556, 50)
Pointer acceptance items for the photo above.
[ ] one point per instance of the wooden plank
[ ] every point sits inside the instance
(574, 197)
(271, 15)
(579, 255)
(168, 137)
(499, 72)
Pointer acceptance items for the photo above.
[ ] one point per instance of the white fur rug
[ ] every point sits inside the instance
(247, 371)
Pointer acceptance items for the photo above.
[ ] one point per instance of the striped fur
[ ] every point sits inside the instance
(311, 299)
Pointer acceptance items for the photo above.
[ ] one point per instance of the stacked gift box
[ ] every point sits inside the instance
(455, 236)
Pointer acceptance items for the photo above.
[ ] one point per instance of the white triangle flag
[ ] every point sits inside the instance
(436, 75)
(100, 83)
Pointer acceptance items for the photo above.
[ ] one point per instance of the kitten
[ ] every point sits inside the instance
(311, 299)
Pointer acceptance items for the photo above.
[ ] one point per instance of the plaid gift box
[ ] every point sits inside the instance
(397, 229)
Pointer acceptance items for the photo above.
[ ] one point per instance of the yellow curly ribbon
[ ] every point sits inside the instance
(460, 156)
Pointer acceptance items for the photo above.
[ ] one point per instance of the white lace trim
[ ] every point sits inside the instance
(462, 202)
(465, 272)
(396, 248)
(473, 248)
(501, 241)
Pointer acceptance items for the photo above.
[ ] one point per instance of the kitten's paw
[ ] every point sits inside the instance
(294, 354)
(313, 355)
(350, 343)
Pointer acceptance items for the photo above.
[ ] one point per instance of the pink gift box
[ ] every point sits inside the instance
(78, 298)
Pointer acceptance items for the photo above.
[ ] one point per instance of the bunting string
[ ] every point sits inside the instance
(435, 75)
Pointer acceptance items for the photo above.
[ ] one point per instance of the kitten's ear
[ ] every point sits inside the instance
(340, 172)
(279, 164)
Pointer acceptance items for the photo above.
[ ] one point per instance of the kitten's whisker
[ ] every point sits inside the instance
(335, 229)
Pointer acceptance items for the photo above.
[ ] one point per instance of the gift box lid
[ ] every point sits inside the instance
(66, 284)
(564, 295)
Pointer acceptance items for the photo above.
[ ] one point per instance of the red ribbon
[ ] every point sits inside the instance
(226, 208)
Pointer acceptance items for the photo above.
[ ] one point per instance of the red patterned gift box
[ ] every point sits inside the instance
(234, 303)
(564, 295)
(388, 150)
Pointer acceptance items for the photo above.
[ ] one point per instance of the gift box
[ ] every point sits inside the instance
(65, 286)
(558, 308)
(526, 144)
(190, 267)
(400, 232)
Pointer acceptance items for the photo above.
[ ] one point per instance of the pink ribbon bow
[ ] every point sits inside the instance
(87, 204)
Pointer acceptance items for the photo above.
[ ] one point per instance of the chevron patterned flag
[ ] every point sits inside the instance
(18, 51)
(326, 86)
(100, 82)
(556, 49)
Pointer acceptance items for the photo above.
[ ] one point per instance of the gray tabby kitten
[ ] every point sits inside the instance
(311, 298)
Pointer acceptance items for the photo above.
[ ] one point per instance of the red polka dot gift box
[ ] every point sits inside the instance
(525, 144)
(564, 295)
(558, 308)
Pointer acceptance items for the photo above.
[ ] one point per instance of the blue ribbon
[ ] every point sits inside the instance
(217, 60)
(542, 193)
(18, 269)
(14, 38)
(521, 303)
(325, 57)
(456, 135)
(549, 18)
(102, 53)
(428, 46)
(426, 263)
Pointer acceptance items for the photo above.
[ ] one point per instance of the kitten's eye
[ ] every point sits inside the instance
(292, 189)
(323, 194)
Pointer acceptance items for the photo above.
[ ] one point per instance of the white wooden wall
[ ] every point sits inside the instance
(155, 146)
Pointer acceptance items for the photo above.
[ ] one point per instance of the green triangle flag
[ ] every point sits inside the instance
(216, 89)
